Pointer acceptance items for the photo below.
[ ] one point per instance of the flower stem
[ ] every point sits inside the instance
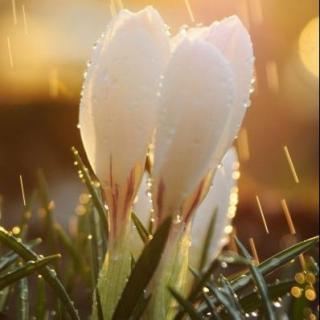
(172, 272)
(113, 276)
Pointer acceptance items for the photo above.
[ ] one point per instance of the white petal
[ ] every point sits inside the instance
(196, 98)
(142, 206)
(233, 40)
(118, 107)
(221, 197)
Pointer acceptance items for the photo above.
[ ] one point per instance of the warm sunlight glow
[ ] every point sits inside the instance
(309, 46)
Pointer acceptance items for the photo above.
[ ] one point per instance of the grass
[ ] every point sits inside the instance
(56, 284)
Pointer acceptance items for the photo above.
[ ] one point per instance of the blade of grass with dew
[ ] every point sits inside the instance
(200, 281)
(260, 283)
(272, 263)
(3, 298)
(100, 244)
(202, 278)
(67, 243)
(40, 309)
(27, 215)
(211, 306)
(47, 207)
(23, 301)
(186, 305)
(223, 299)
(196, 290)
(27, 269)
(142, 231)
(233, 258)
(94, 260)
(11, 257)
(276, 261)
(94, 194)
(231, 294)
(142, 272)
(8, 260)
(252, 301)
(94, 250)
(208, 240)
(48, 273)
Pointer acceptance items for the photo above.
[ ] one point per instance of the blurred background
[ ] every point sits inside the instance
(44, 46)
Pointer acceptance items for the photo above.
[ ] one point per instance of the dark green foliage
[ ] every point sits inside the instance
(25, 275)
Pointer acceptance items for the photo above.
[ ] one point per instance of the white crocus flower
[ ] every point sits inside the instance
(118, 107)
(203, 99)
(222, 197)
(192, 92)
(233, 40)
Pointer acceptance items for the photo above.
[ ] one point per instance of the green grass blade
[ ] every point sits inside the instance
(40, 309)
(142, 272)
(27, 215)
(211, 307)
(94, 261)
(186, 305)
(49, 274)
(47, 207)
(142, 231)
(260, 283)
(224, 300)
(3, 298)
(30, 267)
(7, 260)
(208, 240)
(200, 281)
(23, 307)
(11, 257)
(233, 258)
(252, 301)
(276, 261)
(68, 244)
(231, 294)
(93, 192)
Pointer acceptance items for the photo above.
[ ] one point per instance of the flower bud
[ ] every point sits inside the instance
(204, 97)
(118, 107)
(196, 100)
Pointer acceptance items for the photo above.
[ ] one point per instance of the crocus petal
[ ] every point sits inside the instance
(233, 40)
(223, 198)
(117, 112)
(196, 98)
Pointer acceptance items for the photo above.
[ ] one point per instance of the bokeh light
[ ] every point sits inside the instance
(309, 46)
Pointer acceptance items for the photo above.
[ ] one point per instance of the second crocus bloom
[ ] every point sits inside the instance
(203, 99)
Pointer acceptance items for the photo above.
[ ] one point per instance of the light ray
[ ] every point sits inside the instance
(113, 9)
(10, 52)
(120, 4)
(291, 165)
(14, 12)
(53, 83)
(272, 75)
(288, 216)
(189, 9)
(25, 22)
(256, 11)
(22, 191)
(262, 215)
(254, 250)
